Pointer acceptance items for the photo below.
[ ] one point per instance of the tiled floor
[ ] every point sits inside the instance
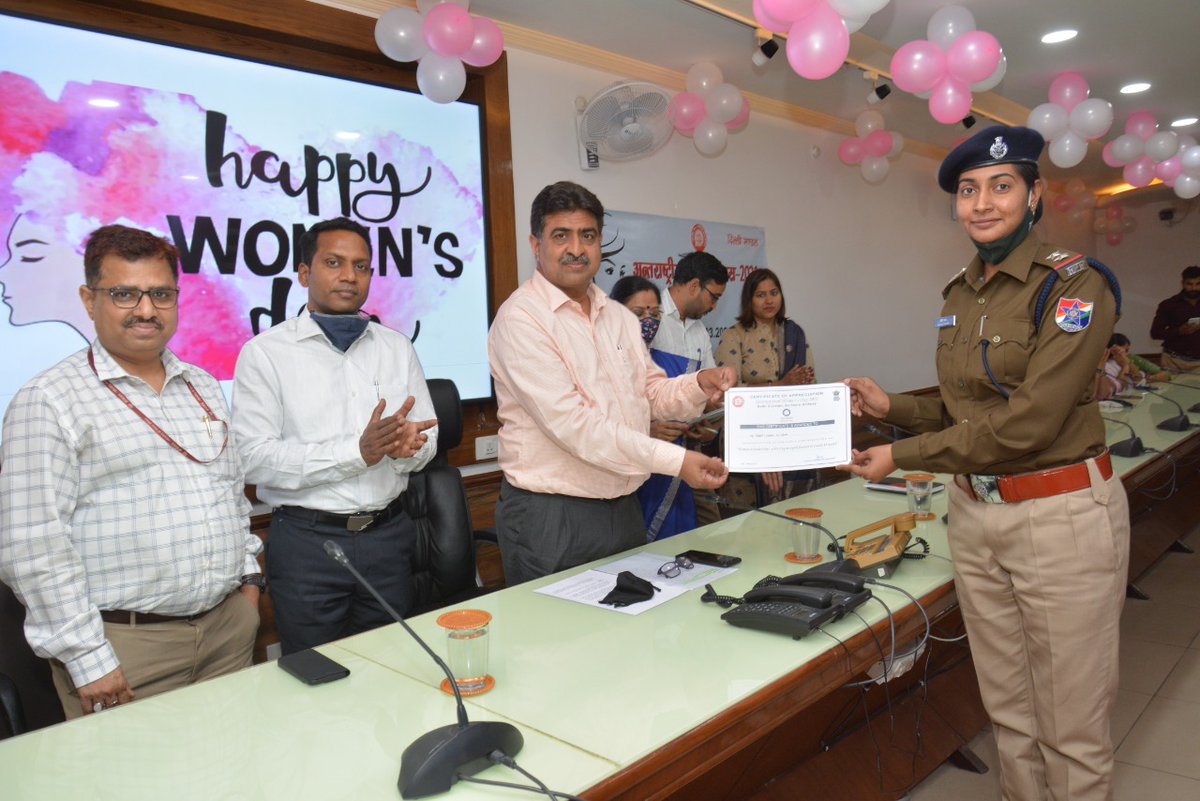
(1157, 722)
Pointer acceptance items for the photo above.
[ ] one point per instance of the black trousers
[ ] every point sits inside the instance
(317, 600)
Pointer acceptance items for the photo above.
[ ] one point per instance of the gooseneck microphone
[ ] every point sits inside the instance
(1195, 407)
(717, 499)
(1178, 423)
(433, 761)
(1129, 448)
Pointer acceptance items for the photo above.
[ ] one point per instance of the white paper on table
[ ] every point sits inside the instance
(590, 586)
(787, 428)
(645, 565)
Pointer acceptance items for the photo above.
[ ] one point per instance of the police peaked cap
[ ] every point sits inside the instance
(996, 144)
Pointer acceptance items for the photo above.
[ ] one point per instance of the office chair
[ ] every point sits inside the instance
(444, 558)
(12, 715)
(27, 694)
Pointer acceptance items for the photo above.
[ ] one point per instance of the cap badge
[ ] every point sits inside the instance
(999, 149)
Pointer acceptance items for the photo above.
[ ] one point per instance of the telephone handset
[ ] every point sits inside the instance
(848, 591)
(879, 553)
(815, 597)
(798, 604)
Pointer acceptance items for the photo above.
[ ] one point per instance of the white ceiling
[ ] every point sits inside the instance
(1119, 41)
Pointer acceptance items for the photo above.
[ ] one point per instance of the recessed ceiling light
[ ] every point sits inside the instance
(1134, 88)
(103, 102)
(348, 136)
(1054, 37)
(1183, 122)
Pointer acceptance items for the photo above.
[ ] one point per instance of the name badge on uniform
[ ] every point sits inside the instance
(1073, 315)
(949, 321)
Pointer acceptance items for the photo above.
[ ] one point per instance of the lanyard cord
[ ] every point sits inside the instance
(154, 427)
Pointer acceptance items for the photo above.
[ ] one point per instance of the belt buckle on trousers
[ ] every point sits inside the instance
(361, 522)
(985, 488)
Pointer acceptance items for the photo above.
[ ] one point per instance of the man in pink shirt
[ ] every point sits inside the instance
(576, 390)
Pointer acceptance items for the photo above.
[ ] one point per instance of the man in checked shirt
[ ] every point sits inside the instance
(124, 529)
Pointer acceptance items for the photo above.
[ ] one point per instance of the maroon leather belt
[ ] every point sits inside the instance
(127, 618)
(1028, 486)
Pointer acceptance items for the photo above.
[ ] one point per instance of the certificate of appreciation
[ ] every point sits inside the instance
(787, 428)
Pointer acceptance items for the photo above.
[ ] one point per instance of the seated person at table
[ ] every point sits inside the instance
(1177, 324)
(124, 527)
(1141, 369)
(575, 391)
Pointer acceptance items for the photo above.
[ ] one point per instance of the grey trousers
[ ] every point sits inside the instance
(541, 534)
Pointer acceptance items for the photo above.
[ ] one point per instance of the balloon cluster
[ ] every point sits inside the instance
(872, 147)
(1078, 201)
(709, 109)
(441, 36)
(1146, 153)
(954, 61)
(1114, 225)
(1070, 119)
(818, 31)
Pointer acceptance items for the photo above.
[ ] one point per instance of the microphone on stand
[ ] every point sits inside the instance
(432, 762)
(1129, 448)
(1178, 423)
(717, 499)
(1195, 407)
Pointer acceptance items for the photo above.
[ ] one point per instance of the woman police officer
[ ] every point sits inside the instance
(1039, 525)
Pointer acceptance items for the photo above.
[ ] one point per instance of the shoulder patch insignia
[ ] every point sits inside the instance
(1073, 315)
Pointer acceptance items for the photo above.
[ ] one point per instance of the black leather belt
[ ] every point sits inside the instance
(355, 523)
(125, 617)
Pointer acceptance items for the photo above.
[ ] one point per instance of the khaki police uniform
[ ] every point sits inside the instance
(1041, 582)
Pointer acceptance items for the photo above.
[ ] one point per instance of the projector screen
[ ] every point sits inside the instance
(231, 160)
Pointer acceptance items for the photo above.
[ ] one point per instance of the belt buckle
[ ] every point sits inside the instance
(987, 489)
(360, 522)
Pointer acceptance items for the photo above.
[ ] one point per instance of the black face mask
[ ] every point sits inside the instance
(996, 252)
(343, 330)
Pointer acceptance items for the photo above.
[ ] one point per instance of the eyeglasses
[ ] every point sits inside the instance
(643, 312)
(716, 298)
(674, 567)
(125, 297)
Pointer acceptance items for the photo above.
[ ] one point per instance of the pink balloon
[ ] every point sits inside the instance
(851, 150)
(950, 101)
(1114, 238)
(1139, 173)
(767, 21)
(1114, 212)
(448, 29)
(1069, 90)
(818, 43)
(1063, 203)
(487, 45)
(878, 143)
(918, 65)
(788, 11)
(1110, 159)
(739, 122)
(1141, 124)
(973, 56)
(1167, 171)
(686, 110)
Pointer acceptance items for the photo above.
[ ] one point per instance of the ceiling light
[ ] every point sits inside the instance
(764, 53)
(1184, 122)
(103, 102)
(1054, 37)
(1134, 88)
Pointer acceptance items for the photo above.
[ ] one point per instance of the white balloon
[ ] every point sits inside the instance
(1068, 150)
(1186, 141)
(1187, 186)
(724, 102)
(1190, 159)
(1100, 225)
(710, 137)
(1092, 118)
(1086, 201)
(424, 5)
(854, 24)
(398, 32)
(441, 78)
(1162, 145)
(1127, 148)
(897, 145)
(874, 169)
(947, 24)
(703, 77)
(869, 120)
(857, 9)
(1078, 216)
(992, 81)
(1050, 120)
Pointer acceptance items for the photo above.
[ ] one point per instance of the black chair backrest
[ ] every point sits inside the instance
(28, 673)
(436, 500)
(12, 716)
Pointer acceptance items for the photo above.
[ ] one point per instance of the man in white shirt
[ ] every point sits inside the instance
(124, 527)
(332, 414)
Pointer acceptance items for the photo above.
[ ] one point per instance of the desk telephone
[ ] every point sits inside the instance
(796, 605)
(878, 555)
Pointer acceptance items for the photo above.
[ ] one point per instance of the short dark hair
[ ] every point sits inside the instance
(630, 285)
(308, 240)
(746, 315)
(563, 196)
(130, 244)
(1191, 273)
(698, 264)
(1118, 339)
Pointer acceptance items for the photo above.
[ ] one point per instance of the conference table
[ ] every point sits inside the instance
(611, 705)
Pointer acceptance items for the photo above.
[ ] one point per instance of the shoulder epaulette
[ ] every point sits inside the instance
(958, 276)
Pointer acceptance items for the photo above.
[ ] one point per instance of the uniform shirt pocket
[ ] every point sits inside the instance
(1009, 347)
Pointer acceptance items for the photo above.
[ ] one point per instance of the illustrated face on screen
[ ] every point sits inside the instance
(41, 276)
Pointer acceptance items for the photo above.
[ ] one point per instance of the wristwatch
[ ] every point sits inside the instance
(257, 579)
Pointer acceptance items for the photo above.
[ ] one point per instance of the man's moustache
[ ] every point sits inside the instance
(584, 260)
(154, 321)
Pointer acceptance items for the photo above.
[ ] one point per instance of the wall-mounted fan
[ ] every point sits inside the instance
(625, 121)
